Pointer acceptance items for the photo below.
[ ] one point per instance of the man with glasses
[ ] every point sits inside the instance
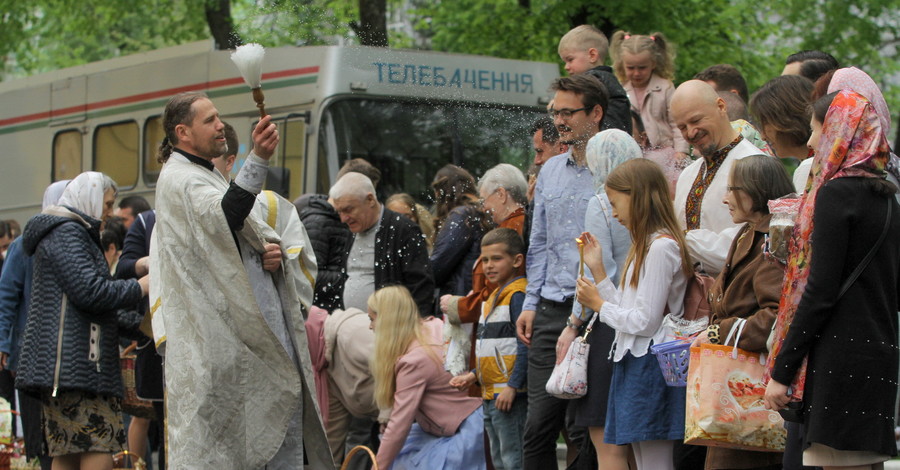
(563, 190)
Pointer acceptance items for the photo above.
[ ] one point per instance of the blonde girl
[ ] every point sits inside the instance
(642, 410)
(646, 67)
(432, 425)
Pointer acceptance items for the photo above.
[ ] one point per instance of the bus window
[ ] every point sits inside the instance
(67, 151)
(116, 152)
(294, 135)
(153, 136)
(410, 141)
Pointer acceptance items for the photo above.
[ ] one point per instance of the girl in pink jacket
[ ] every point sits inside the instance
(432, 424)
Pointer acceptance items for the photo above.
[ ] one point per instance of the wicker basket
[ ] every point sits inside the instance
(128, 461)
(353, 452)
(673, 357)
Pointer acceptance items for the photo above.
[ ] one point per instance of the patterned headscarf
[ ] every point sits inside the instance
(607, 150)
(85, 193)
(852, 78)
(852, 145)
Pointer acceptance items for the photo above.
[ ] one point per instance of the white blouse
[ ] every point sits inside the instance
(637, 313)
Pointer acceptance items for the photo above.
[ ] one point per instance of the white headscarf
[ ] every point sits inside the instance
(53, 193)
(607, 150)
(85, 193)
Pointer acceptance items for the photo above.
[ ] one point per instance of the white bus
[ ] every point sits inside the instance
(406, 112)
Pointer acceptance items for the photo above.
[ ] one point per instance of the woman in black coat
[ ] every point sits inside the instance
(840, 349)
(70, 353)
(459, 225)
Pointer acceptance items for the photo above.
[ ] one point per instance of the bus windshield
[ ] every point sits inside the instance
(410, 141)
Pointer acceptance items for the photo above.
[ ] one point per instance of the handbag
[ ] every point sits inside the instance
(131, 403)
(795, 409)
(569, 378)
(725, 390)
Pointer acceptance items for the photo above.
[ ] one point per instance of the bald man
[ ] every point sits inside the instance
(702, 117)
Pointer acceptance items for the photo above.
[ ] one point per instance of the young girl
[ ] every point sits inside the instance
(645, 66)
(432, 425)
(642, 410)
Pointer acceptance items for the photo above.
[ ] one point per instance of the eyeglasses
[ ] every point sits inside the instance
(566, 113)
(482, 199)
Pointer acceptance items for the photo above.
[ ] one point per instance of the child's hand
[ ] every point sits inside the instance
(505, 399)
(462, 382)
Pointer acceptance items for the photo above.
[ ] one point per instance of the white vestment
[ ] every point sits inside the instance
(233, 385)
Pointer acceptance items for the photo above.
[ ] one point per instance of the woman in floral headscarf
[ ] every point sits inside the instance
(848, 385)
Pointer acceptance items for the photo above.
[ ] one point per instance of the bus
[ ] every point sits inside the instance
(407, 112)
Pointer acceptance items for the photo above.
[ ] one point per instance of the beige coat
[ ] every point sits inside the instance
(231, 386)
(658, 124)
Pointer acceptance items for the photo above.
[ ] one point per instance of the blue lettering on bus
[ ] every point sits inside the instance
(433, 76)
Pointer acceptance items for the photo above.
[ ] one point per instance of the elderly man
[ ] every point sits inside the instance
(702, 118)
(227, 313)
(387, 248)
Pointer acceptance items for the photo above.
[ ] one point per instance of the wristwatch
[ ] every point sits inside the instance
(571, 324)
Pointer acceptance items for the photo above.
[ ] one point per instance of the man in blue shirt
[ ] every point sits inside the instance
(563, 189)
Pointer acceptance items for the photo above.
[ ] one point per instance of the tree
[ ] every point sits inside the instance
(753, 35)
(372, 26)
(221, 25)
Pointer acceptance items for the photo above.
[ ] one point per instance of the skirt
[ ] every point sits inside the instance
(590, 410)
(76, 422)
(820, 455)
(641, 406)
(465, 449)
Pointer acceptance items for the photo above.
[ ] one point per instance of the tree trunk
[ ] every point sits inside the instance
(372, 26)
(218, 17)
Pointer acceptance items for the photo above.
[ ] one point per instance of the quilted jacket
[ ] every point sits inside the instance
(331, 240)
(72, 332)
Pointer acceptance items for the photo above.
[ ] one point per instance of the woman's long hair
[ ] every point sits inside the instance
(397, 324)
(651, 211)
(454, 187)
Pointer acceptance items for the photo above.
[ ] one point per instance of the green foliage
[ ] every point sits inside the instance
(41, 35)
(753, 35)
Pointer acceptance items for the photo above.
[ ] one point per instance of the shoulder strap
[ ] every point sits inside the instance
(604, 209)
(871, 254)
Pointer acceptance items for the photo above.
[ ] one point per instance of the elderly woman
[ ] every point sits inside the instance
(502, 190)
(749, 286)
(838, 307)
(459, 225)
(70, 354)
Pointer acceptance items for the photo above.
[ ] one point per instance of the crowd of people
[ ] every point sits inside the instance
(275, 335)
